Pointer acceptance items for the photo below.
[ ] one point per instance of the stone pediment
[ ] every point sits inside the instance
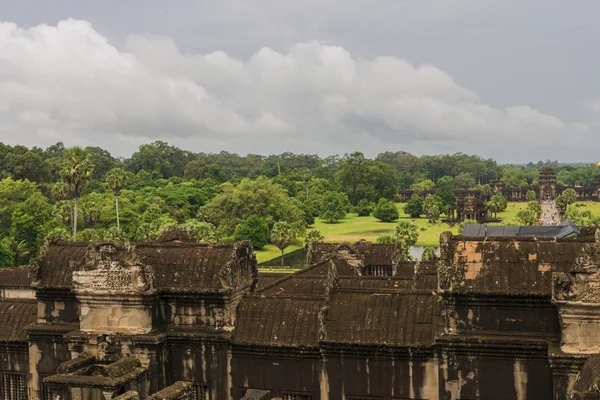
(582, 282)
(111, 268)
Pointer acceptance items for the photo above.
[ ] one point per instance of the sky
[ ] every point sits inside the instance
(514, 80)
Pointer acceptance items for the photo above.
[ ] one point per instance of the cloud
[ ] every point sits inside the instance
(68, 82)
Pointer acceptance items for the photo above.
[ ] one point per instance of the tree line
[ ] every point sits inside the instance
(88, 194)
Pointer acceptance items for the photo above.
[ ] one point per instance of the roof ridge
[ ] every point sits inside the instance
(295, 274)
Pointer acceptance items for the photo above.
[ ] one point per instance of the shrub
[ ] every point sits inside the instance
(364, 208)
(386, 211)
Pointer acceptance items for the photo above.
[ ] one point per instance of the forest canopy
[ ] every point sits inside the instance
(90, 194)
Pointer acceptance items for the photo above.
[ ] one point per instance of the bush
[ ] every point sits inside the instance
(414, 207)
(385, 238)
(364, 208)
(386, 211)
(255, 229)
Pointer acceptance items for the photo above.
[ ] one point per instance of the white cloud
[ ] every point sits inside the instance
(68, 82)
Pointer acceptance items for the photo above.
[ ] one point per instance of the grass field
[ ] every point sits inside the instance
(353, 228)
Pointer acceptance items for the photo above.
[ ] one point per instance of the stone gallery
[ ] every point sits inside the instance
(490, 318)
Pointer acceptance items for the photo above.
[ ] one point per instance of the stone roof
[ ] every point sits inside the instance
(565, 229)
(320, 304)
(16, 277)
(588, 378)
(518, 266)
(394, 318)
(15, 315)
(371, 253)
(286, 312)
(191, 267)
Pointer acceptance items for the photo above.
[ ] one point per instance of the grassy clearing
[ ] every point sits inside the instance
(592, 206)
(353, 228)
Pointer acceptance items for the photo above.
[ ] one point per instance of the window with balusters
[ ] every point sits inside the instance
(14, 386)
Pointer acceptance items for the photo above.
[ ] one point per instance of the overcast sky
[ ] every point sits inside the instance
(516, 80)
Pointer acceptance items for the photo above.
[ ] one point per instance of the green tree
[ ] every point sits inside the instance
(385, 238)
(76, 170)
(530, 195)
(116, 181)
(333, 207)
(464, 180)
(432, 206)
(13, 193)
(433, 213)
(581, 217)
(414, 206)
(203, 231)
(527, 216)
(428, 254)
(364, 208)
(259, 197)
(386, 211)
(31, 220)
(407, 235)
(485, 190)
(361, 178)
(92, 208)
(423, 186)
(255, 229)
(570, 196)
(196, 169)
(497, 203)
(282, 236)
(6, 256)
(535, 207)
(313, 236)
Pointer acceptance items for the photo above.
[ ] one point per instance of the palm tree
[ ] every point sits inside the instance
(76, 170)
(116, 180)
(17, 248)
(282, 236)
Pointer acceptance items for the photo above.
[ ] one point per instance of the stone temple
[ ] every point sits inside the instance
(491, 318)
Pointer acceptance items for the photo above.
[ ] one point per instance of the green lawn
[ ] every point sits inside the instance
(592, 206)
(353, 228)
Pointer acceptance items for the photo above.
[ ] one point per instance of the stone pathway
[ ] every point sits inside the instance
(550, 215)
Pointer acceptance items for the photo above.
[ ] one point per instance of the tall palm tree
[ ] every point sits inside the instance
(116, 181)
(76, 170)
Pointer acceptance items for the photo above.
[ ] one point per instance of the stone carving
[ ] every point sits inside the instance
(109, 267)
(582, 282)
(109, 351)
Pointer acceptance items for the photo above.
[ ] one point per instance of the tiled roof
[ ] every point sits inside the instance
(503, 266)
(16, 277)
(368, 310)
(372, 253)
(285, 312)
(275, 321)
(177, 266)
(391, 319)
(15, 315)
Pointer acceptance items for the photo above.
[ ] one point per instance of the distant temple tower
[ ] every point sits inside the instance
(547, 184)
